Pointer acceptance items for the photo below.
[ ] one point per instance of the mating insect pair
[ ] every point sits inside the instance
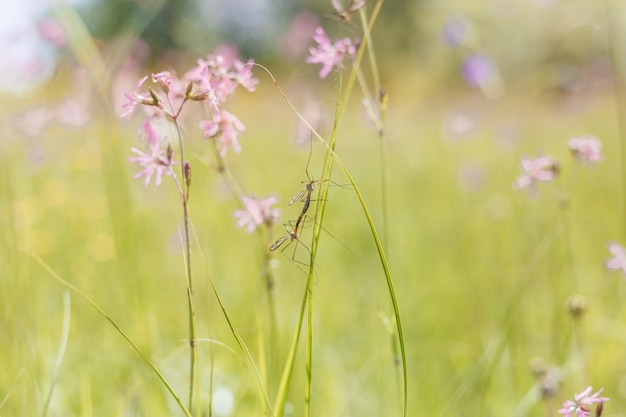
(305, 197)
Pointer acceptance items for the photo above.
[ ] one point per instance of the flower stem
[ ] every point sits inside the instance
(184, 186)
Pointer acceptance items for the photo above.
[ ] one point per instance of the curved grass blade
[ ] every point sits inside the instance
(8, 394)
(265, 402)
(56, 276)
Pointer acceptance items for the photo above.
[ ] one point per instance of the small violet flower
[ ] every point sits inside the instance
(227, 126)
(330, 54)
(454, 31)
(579, 406)
(586, 149)
(541, 169)
(157, 160)
(478, 70)
(618, 261)
(257, 212)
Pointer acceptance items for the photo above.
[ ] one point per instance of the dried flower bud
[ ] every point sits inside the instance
(187, 173)
(169, 153)
(599, 408)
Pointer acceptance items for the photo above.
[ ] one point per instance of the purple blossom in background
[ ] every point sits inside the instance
(586, 149)
(579, 406)
(478, 70)
(453, 31)
(294, 43)
(257, 212)
(227, 126)
(157, 160)
(330, 54)
(618, 261)
(459, 125)
(541, 169)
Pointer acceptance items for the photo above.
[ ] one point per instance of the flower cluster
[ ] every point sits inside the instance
(257, 212)
(156, 160)
(330, 54)
(211, 80)
(579, 406)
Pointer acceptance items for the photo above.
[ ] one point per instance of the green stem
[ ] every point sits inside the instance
(377, 241)
(184, 188)
(283, 389)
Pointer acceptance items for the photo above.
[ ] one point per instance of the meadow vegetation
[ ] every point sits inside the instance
(506, 302)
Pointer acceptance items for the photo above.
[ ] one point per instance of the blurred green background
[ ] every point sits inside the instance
(482, 272)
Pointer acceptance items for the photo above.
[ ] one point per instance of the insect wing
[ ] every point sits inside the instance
(338, 6)
(297, 197)
(355, 5)
(277, 244)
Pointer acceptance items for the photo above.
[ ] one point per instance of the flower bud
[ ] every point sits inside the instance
(576, 305)
(599, 409)
(187, 174)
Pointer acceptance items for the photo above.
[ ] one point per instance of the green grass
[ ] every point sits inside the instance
(481, 276)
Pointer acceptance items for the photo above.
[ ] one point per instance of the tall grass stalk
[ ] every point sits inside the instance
(86, 52)
(143, 356)
(619, 70)
(266, 405)
(285, 381)
(378, 118)
(379, 246)
(317, 228)
(65, 333)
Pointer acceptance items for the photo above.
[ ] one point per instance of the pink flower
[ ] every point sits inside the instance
(243, 74)
(541, 169)
(157, 160)
(329, 54)
(579, 406)
(586, 149)
(257, 212)
(50, 29)
(618, 261)
(226, 125)
(164, 79)
(137, 98)
(219, 75)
